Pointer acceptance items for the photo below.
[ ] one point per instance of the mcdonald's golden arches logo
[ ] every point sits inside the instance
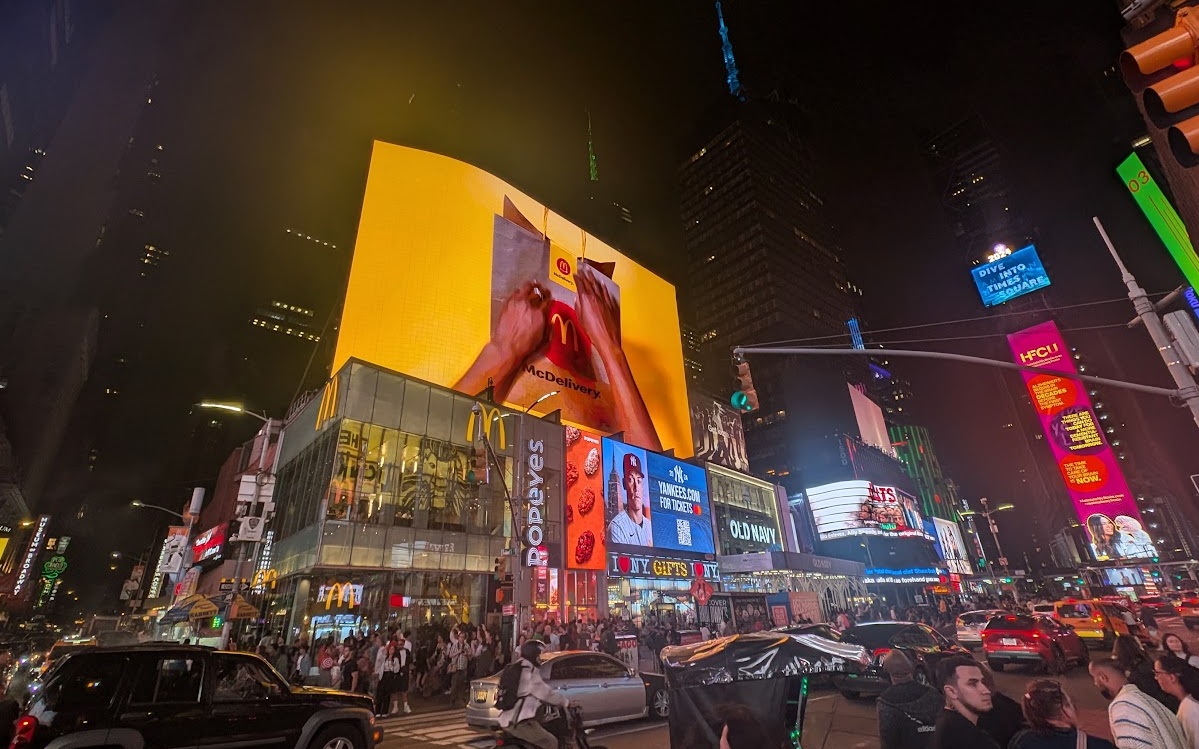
(262, 578)
(347, 593)
(328, 409)
(484, 419)
(566, 330)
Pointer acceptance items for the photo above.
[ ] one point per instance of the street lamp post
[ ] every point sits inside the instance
(251, 511)
(987, 512)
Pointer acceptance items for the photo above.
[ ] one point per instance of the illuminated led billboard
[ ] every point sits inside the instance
(862, 508)
(1005, 278)
(1102, 500)
(462, 280)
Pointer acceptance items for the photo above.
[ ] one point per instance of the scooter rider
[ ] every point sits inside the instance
(521, 721)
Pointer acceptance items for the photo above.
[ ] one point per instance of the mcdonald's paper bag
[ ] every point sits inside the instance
(566, 360)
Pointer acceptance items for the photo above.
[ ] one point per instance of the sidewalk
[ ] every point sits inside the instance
(833, 723)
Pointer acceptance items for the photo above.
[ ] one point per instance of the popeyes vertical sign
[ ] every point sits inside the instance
(536, 554)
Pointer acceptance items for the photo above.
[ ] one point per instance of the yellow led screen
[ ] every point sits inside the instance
(460, 279)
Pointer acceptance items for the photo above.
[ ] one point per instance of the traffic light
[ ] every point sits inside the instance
(498, 570)
(478, 471)
(1162, 70)
(745, 399)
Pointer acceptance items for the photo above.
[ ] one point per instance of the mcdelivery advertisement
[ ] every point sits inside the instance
(655, 507)
(462, 280)
(1101, 496)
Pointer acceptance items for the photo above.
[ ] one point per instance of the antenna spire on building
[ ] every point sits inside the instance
(591, 161)
(730, 63)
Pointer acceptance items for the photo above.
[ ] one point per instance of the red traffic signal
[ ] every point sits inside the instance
(1162, 69)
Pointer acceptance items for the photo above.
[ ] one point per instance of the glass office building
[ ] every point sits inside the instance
(381, 517)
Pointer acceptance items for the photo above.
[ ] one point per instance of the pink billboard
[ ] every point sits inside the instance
(1101, 496)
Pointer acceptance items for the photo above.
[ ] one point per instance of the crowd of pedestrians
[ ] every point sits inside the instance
(1154, 703)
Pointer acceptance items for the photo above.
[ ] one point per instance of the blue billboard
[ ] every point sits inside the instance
(653, 501)
(1011, 276)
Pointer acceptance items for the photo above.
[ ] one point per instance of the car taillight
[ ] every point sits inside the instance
(26, 726)
(1036, 635)
(880, 652)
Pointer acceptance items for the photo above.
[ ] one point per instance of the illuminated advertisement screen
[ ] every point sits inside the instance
(951, 547)
(1009, 277)
(586, 524)
(746, 513)
(862, 508)
(462, 280)
(655, 504)
(209, 544)
(1102, 500)
(717, 432)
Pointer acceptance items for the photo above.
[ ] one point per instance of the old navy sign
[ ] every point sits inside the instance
(746, 531)
(637, 565)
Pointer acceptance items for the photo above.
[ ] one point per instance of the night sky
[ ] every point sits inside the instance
(272, 107)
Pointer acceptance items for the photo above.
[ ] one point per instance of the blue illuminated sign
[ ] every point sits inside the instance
(1193, 300)
(1006, 278)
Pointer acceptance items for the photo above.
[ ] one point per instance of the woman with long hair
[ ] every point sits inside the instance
(1138, 668)
(1052, 721)
(1103, 536)
(1181, 681)
(1174, 645)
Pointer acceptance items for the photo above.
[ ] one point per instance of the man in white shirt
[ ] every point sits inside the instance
(631, 526)
(1137, 720)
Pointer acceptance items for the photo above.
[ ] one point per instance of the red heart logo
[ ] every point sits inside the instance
(699, 570)
(624, 564)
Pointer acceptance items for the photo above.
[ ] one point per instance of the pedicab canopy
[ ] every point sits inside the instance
(752, 682)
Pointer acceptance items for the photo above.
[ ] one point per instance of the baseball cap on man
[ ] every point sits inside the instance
(632, 463)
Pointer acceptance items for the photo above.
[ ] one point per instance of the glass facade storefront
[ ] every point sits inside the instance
(636, 598)
(377, 488)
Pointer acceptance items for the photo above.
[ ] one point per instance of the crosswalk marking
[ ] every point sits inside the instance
(442, 728)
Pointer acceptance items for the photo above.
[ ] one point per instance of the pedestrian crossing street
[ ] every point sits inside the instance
(440, 728)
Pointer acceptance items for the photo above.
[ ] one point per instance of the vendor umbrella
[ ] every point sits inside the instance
(196, 606)
(242, 609)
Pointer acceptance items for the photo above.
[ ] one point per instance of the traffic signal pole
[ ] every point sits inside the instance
(1188, 392)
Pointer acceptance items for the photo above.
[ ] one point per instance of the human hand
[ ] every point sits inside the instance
(522, 325)
(598, 312)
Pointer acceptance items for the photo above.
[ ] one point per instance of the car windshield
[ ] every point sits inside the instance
(1152, 601)
(62, 649)
(1011, 622)
(873, 635)
(1074, 610)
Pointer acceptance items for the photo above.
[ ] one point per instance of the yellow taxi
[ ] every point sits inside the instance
(1096, 622)
(1188, 609)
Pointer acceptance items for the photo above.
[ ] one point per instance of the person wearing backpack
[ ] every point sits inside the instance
(907, 710)
(521, 694)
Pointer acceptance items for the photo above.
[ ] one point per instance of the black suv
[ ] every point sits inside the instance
(165, 696)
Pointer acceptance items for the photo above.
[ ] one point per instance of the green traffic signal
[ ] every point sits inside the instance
(740, 401)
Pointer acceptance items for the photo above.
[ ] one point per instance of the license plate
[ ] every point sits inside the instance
(480, 695)
(1009, 641)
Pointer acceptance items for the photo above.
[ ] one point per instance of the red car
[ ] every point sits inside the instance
(1039, 640)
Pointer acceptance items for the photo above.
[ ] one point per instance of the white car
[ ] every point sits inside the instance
(970, 625)
(606, 689)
